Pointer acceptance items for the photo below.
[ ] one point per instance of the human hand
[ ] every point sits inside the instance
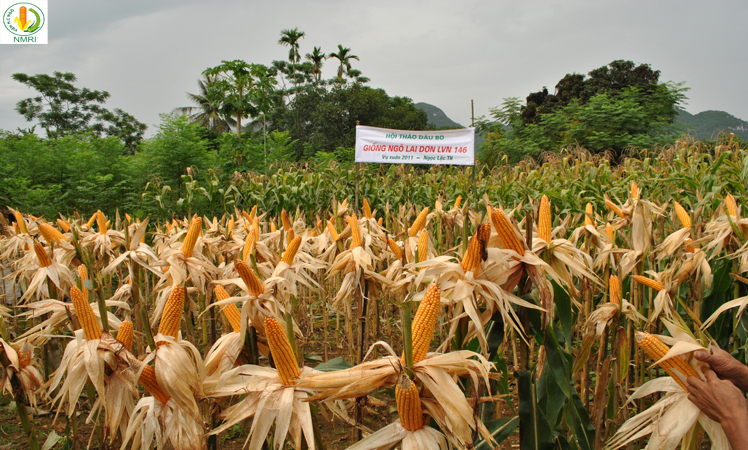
(720, 400)
(725, 366)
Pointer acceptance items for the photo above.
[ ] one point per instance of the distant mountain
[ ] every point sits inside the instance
(437, 116)
(708, 124)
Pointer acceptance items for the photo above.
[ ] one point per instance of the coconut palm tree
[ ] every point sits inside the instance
(317, 58)
(207, 113)
(291, 38)
(344, 58)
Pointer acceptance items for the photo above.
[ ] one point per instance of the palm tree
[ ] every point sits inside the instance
(345, 61)
(317, 58)
(291, 39)
(207, 113)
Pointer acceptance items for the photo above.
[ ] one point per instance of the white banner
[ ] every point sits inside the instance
(382, 145)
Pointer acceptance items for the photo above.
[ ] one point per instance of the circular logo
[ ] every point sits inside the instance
(23, 19)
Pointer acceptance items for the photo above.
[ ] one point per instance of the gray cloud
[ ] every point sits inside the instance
(149, 54)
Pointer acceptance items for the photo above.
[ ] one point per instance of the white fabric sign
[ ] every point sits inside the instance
(382, 145)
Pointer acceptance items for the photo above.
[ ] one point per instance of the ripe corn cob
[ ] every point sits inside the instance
(544, 219)
(256, 227)
(280, 348)
(610, 232)
(471, 260)
(355, 232)
(64, 225)
(85, 314)
(286, 221)
(290, 235)
(457, 202)
(254, 285)
(124, 335)
(654, 284)
(380, 221)
(676, 367)
(273, 228)
(253, 214)
(249, 244)
(232, 313)
(419, 223)
(506, 232)
(171, 317)
(423, 245)
(41, 255)
(50, 233)
(129, 219)
(425, 322)
(683, 216)
(169, 228)
(148, 378)
(24, 355)
(408, 404)
(21, 223)
(690, 247)
(91, 221)
(230, 225)
(188, 246)
(395, 248)
(589, 214)
(614, 286)
(83, 275)
(290, 253)
(484, 234)
(613, 207)
(634, 190)
(333, 231)
(367, 209)
(731, 205)
(101, 222)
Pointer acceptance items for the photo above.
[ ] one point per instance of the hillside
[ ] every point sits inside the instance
(707, 124)
(437, 116)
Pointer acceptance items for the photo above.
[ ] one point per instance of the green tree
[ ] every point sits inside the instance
(63, 109)
(317, 59)
(239, 87)
(344, 59)
(291, 39)
(208, 110)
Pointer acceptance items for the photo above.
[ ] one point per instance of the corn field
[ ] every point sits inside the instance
(552, 304)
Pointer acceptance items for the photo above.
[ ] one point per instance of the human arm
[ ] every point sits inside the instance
(722, 402)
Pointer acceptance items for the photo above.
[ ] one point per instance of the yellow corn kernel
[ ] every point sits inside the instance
(355, 232)
(88, 321)
(690, 247)
(290, 236)
(41, 255)
(614, 287)
(21, 223)
(280, 348)
(367, 209)
(50, 233)
(290, 253)
(249, 244)
(395, 248)
(654, 284)
(188, 246)
(232, 313)
(253, 213)
(230, 225)
(731, 205)
(64, 225)
(457, 202)
(379, 222)
(124, 335)
(589, 215)
(83, 275)
(634, 190)
(425, 322)
(254, 285)
(25, 354)
(423, 245)
(506, 232)
(101, 222)
(419, 223)
(273, 228)
(408, 404)
(286, 221)
(613, 207)
(92, 220)
(471, 260)
(333, 232)
(610, 232)
(683, 216)
(171, 317)
(676, 367)
(544, 219)
(148, 378)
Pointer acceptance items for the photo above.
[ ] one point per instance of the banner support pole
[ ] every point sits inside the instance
(356, 201)
(475, 183)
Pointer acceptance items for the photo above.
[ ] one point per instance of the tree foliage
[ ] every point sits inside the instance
(63, 109)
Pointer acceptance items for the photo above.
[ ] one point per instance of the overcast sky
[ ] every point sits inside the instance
(149, 54)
